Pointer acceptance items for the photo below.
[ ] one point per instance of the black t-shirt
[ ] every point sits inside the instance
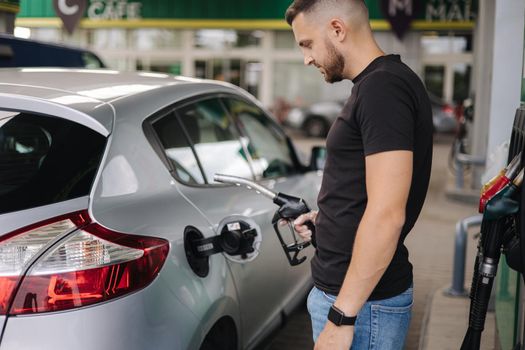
(388, 110)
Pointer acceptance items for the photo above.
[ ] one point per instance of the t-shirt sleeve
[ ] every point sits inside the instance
(385, 114)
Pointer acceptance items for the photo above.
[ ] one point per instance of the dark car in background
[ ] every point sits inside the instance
(17, 52)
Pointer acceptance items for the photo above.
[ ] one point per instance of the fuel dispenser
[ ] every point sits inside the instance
(502, 231)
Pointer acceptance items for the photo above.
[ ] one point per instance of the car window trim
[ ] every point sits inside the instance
(158, 147)
(206, 97)
(251, 163)
(191, 143)
(156, 143)
(27, 104)
(295, 160)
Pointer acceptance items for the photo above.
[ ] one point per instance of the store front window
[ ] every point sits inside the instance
(447, 65)
(434, 79)
(112, 39)
(155, 39)
(168, 66)
(51, 35)
(433, 44)
(462, 73)
(284, 40)
(217, 39)
(240, 72)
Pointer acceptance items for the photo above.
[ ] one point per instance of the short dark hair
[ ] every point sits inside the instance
(297, 7)
(305, 6)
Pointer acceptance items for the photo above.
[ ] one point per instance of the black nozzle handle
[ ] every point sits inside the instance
(290, 208)
(311, 227)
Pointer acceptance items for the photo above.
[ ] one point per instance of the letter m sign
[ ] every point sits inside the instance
(399, 13)
(400, 5)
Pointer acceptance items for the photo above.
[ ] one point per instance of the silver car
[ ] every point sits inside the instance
(107, 197)
(316, 119)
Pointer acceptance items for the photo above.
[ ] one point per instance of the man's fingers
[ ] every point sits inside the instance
(301, 219)
(302, 230)
(305, 235)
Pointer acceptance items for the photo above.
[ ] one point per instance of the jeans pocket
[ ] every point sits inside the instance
(390, 325)
(393, 309)
(331, 298)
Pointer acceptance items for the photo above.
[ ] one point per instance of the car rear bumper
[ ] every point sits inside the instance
(138, 321)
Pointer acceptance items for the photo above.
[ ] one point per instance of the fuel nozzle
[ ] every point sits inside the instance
(504, 202)
(497, 183)
(290, 208)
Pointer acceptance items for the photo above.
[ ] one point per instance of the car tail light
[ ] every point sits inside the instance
(19, 248)
(91, 265)
(448, 110)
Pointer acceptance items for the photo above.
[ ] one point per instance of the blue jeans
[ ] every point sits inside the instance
(381, 324)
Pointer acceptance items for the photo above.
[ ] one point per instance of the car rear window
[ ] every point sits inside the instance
(45, 160)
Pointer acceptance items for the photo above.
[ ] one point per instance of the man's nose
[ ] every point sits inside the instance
(308, 60)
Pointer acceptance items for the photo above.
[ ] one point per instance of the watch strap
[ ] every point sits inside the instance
(339, 318)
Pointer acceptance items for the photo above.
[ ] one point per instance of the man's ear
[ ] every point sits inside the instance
(338, 29)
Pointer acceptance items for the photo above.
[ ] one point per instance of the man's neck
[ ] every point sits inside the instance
(362, 60)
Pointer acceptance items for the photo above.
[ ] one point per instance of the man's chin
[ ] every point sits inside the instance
(332, 79)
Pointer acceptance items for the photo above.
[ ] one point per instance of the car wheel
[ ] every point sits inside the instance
(222, 336)
(316, 127)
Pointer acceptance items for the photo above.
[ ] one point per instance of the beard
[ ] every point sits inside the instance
(335, 66)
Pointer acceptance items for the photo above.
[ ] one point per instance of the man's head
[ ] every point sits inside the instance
(331, 33)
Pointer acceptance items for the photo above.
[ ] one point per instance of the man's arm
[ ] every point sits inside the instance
(388, 179)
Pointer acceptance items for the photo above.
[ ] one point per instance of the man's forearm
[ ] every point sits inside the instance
(374, 247)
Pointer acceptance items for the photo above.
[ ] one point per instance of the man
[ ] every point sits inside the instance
(374, 185)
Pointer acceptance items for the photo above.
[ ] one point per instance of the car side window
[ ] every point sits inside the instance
(178, 149)
(267, 145)
(215, 139)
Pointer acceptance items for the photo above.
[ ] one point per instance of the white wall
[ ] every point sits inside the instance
(409, 48)
(482, 78)
(507, 67)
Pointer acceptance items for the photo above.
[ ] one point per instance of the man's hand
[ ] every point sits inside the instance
(301, 228)
(335, 338)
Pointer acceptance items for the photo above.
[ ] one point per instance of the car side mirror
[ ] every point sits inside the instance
(318, 158)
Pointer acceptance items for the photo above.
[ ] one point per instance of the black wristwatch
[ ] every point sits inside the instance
(338, 317)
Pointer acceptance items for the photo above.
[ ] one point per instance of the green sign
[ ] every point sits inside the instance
(431, 10)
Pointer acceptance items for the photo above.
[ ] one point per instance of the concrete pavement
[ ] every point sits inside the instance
(445, 324)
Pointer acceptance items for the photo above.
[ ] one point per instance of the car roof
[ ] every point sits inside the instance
(86, 90)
